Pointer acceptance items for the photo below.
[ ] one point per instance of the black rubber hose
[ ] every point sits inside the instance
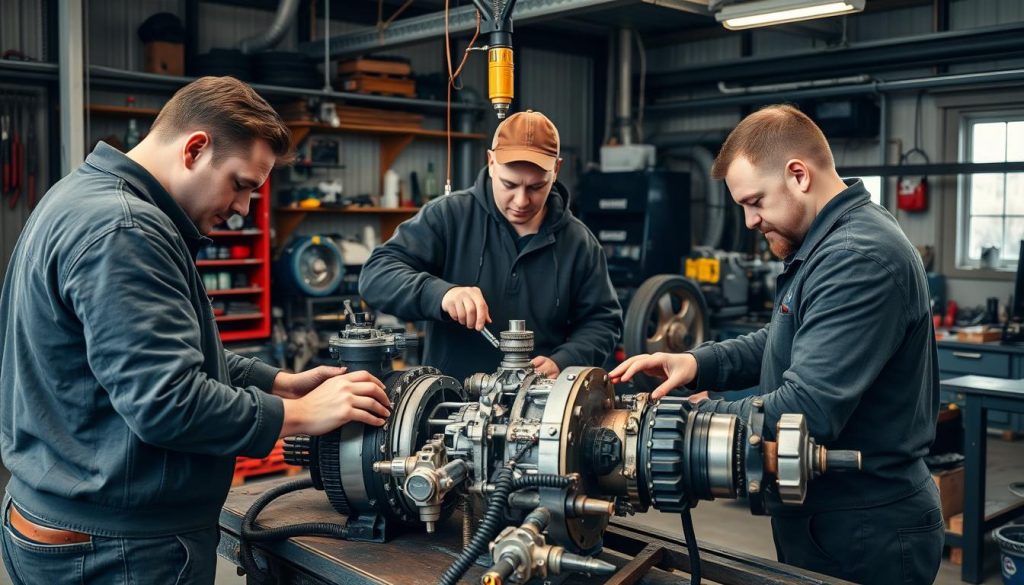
(691, 546)
(250, 533)
(541, 480)
(486, 531)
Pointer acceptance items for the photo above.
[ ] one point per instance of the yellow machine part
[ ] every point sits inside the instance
(499, 75)
(707, 270)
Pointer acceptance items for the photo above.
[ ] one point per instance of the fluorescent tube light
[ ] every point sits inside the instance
(768, 12)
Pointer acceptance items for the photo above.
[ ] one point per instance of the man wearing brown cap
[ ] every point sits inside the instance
(506, 248)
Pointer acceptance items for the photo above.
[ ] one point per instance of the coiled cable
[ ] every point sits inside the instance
(250, 533)
(486, 531)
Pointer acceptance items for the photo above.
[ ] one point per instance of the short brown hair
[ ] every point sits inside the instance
(231, 111)
(770, 137)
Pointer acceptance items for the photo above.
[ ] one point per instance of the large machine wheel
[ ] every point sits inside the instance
(667, 313)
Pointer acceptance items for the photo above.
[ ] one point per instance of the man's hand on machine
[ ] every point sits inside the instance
(545, 366)
(677, 369)
(341, 399)
(466, 305)
(298, 385)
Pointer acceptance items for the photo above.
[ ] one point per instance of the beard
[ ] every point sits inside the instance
(781, 246)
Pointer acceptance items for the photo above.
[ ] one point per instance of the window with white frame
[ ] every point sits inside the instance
(873, 184)
(991, 205)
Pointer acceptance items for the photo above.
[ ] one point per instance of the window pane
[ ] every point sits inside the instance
(985, 231)
(988, 142)
(874, 187)
(1014, 234)
(1015, 141)
(987, 194)
(1015, 193)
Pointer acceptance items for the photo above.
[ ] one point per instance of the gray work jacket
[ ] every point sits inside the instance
(851, 346)
(121, 414)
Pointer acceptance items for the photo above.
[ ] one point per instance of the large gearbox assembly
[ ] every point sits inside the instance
(538, 466)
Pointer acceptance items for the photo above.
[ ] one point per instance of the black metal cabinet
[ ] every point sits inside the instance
(642, 220)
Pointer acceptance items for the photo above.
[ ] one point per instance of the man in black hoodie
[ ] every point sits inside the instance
(507, 248)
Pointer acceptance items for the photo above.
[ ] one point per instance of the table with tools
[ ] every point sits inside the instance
(981, 394)
(415, 557)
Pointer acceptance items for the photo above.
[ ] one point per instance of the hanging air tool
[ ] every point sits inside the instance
(497, 23)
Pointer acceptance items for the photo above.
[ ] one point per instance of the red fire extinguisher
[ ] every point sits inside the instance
(912, 192)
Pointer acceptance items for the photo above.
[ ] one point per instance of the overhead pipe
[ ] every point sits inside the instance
(283, 20)
(946, 47)
(915, 84)
(725, 88)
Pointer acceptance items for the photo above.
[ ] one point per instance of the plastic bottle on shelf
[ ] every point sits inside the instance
(430, 189)
(391, 185)
(131, 136)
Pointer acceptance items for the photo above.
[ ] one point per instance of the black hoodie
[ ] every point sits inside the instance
(559, 283)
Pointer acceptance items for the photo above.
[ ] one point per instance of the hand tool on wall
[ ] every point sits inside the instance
(17, 153)
(32, 165)
(5, 150)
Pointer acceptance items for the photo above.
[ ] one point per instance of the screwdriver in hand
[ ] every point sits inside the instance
(490, 338)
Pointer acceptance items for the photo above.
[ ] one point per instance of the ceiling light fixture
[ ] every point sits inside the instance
(768, 12)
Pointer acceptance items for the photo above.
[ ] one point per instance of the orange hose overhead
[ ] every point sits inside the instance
(452, 76)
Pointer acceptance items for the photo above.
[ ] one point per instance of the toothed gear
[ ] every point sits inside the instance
(330, 472)
(663, 437)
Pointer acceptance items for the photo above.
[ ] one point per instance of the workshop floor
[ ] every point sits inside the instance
(729, 524)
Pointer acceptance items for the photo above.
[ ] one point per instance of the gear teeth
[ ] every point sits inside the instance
(666, 442)
(296, 450)
(330, 472)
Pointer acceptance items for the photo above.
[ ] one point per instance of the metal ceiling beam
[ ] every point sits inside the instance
(990, 42)
(691, 6)
(460, 20)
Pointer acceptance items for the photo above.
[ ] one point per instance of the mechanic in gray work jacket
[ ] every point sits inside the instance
(850, 346)
(507, 248)
(120, 412)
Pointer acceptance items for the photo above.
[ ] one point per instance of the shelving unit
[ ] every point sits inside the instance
(289, 218)
(393, 139)
(246, 325)
(122, 111)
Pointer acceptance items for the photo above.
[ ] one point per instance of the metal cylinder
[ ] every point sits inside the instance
(721, 456)
(624, 110)
(500, 79)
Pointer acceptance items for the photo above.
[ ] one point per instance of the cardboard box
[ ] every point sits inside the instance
(951, 491)
(165, 58)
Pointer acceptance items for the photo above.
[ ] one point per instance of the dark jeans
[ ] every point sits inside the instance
(184, 559)
(896, 543)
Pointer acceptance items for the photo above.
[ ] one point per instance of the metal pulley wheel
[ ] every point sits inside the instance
(313, 265)
(667, 313)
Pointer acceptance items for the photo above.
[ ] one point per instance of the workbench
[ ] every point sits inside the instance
(416, 558)
(981, 394)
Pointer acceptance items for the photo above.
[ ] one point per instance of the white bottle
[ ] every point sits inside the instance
(370, 236)
(390, 198)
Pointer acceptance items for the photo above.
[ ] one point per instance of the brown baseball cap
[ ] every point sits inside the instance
(526, 136)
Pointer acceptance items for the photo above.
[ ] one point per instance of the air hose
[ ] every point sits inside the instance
(486, 531)
(250, 533)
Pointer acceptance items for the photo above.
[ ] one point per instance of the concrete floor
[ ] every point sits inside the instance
(728, 524)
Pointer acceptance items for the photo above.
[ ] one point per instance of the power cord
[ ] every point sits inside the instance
(691, 546)
(452, 80)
